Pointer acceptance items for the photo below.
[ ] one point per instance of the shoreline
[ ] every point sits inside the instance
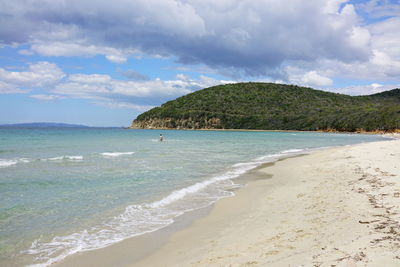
(377, 132)
(339, 206)
(180, 242)
(145, 244)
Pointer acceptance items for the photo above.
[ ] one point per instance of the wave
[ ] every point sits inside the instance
(4, 163)
(10, 162)
(60, 158)
(146, 217)
(24, 160)
(7, 163)
(116, 154)
(295, 150)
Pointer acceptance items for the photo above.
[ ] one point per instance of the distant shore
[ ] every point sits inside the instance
(396, 131)
(331, 207)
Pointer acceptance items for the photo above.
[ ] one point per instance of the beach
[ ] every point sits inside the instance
(72, 192)
(332, 207)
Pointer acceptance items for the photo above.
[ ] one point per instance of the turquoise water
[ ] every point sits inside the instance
(68, 190)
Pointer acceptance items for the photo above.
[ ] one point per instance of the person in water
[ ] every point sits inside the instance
(161, 137)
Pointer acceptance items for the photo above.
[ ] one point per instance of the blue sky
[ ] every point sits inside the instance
(102, 64)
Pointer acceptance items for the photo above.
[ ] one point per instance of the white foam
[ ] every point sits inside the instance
(74, 157)
(54, 158)
(60, 158)
(116, 154)
(7, 163)
(243, 164)
(10, 162)
(268, 158)
(24, 160)
(292, 151)
(135, 220)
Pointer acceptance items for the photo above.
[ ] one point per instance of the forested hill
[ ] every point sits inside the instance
(272, 106)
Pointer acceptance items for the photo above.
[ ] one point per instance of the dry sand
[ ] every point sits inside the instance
(334, 207)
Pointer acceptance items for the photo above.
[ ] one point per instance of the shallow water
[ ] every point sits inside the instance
(69, 190)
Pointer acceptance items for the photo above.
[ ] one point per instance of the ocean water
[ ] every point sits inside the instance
(68, 190)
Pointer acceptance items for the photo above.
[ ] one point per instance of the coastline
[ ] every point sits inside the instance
(299, 216)
(377, 132)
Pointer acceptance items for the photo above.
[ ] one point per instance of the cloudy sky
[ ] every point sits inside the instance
(102, 62)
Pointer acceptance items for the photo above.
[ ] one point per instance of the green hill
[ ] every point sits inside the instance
(270, 106)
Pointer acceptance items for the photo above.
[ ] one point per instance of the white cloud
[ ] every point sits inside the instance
(6, 88)
(383, 63)
(80, 48)
(95, 86)
(45, 76)
(81, 90)
(124, 105)
(150, 88)
(112, 93)
(312, 78)
(41, 74)
(90, 78)
(45, 97)
(360, 38)
(386, 43)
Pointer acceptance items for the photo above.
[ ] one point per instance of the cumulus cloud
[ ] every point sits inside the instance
(300, 76)
(386, 43)
(383, 63)
(49, 78)
(78, 48)
(123, 94)
(312, 78)
(40, 74)
(97, 86)
(246, 37)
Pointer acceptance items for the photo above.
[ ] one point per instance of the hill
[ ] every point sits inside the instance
(43, 125)
(270, 106)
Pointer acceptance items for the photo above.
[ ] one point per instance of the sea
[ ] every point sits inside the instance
(68, 190)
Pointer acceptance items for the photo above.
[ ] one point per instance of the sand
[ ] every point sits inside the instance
(333, 207)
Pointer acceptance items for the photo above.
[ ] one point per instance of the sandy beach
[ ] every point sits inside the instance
(332, 207)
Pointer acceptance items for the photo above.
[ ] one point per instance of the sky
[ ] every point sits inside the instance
(102, 63)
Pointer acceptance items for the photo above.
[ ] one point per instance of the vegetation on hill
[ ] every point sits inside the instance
(270, 106)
